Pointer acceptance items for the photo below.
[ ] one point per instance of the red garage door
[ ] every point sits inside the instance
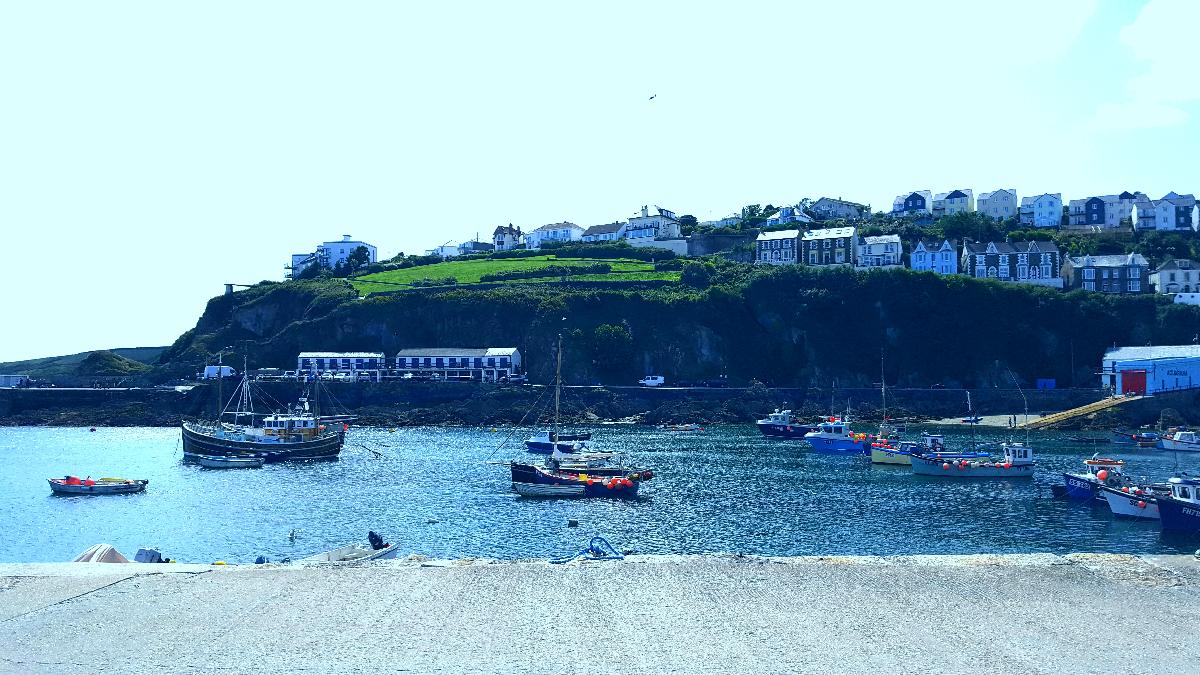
(1133, 382)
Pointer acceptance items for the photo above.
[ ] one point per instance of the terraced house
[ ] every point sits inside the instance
(914, 203)
(777, 248)
(1026, 262)
(832, 246)
(1108, 273)
(1172, 213)
(933, 256)
(1000, 204)
(955, 201)
(1042, 210)
(1105, 212)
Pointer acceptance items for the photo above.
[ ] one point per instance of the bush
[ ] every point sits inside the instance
(548, 271)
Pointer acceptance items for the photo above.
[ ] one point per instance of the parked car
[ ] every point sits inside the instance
(652, 381)
(514, 379)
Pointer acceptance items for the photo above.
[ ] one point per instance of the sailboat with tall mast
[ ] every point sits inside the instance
(582, 475)
(299, 432)
(546, 442)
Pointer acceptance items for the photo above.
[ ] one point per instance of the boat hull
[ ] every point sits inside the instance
(1178, 446)
(1178, 515)
(228, 462)
(893, 457)
(1081, 488)
(198, 440)
(1125, 505)
(532, 481)
(837, 446)
(107, 488)
(795, 431)
(924, 466)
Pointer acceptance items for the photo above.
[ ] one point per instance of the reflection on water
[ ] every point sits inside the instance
(432, 491)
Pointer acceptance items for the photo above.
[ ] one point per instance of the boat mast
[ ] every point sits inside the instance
(220, 392)
(882, 386)
(557, 390)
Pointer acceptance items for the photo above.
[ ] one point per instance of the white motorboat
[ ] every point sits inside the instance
(377, 550)
(1181, 441)
(1130, 501)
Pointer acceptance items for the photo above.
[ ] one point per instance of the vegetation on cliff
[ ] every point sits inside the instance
(108, 363)
(788, 325)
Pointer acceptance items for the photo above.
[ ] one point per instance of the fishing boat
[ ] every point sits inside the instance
(591, 475)
(885, 452)
(1017, 462)
(1182, 440)
(835, 436)
(783, 424)
(378, 550)
(229, 461)
(1085, 485)
(1133, 501)
(1144, 439)
(297, 433)
(972, 419)
(73, 485)
(1180, 511)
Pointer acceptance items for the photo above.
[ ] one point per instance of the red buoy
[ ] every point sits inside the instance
(1102, 474)
(945, 466)
(1141, 504)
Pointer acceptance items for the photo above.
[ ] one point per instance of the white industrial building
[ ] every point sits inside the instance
(351, 363)
(488, 364)
(1151, 370)
(329, 254)
(14, 380)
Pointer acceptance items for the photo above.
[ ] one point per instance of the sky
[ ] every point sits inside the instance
(152, 152)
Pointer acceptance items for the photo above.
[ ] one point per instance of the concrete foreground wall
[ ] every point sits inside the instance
(1023, 613)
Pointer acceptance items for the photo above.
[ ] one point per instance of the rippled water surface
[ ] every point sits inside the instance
(432, 491)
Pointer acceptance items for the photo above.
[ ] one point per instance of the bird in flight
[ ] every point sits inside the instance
(652, 97)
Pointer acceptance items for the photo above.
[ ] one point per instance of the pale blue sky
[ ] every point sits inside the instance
(154, 151)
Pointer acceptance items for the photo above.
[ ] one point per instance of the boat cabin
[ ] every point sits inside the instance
(933, 442)
(1186, 437)
(1185, 489)
(284, 425)
(1095, 466)
(783, 417)
(1017, 454)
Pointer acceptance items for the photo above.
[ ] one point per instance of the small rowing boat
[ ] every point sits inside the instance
(72, 485)
(229, 461)
(378, 550)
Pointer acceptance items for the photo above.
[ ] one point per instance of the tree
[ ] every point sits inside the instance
(696, 274)
(612, 347)
(358, 258)
(687, 224)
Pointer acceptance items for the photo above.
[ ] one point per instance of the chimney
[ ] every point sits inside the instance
(645, 211)
(345, 237)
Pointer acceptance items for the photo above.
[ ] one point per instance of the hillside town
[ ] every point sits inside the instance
(836, 232)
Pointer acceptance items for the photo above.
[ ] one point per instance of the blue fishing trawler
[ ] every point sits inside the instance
(1085, 485)
(835, 436)
(783, 424)
(1180, 511)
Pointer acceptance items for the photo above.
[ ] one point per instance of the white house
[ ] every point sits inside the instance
(553, 232)
(1171, 213)
(446, 250)
(788, 214)
(475, 246)
(1042, 210)
(777, 248)
(1176, 276)
(661, 224)
(1000, 205)
(880, 251)
(727, 221)
(955, 201)
(329, 254)
(609, 232)
(506, 237)
(1104, 212)
(913, 203)
(934, 257)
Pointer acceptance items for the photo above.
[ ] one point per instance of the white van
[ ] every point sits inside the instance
(652, 381)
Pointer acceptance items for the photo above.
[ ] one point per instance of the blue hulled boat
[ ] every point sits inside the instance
(1180, 512)
(835, 436)
(1085, 485)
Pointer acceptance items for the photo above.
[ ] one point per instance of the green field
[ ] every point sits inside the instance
(469, 272)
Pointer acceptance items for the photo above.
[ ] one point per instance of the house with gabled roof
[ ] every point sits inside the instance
(781, 247)
(788, 214)
(653, 223)
(1172, 213)
(999, 204)
(955, 201)
(879, 251)
(556, 232)
(609, 232)
(1042, 210)
(913, 203)
(1026, 262)
(1101, 213)
(1176, 276)
(1114, 274)
(507, 237)
(933, 256)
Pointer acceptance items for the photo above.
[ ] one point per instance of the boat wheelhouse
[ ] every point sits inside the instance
(1180, 511)
(783, 424)
(884, 452)
(835, 436)
(1183, 440)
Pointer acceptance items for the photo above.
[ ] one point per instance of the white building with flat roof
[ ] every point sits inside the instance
(329, 254)
(488, 364)
(1151, 370)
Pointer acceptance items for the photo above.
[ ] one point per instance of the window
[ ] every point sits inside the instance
(1022, 271)
(812, 258)
(1089, 273)
(1089, 285)
(841, 256)
(1135, 286)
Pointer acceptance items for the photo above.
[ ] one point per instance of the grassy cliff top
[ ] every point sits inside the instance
(472, 271)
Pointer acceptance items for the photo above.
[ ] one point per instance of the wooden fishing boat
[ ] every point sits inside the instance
(885, 452)
(73, 485)
(228, 461)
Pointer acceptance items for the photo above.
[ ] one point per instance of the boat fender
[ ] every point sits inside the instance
(626, 482)
(945, 466)
(609, 484)
(1141, 504)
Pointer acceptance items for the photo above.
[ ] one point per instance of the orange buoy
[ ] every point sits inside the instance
(1125, 489)
(945, 466)
(1102, 474)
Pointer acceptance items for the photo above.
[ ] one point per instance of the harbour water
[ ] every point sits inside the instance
(433, 491)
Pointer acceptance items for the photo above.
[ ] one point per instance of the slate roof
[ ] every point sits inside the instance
(459, 351)
(341, 355)
(1009, 247)
(1109, 260)
(1176, 264)
(1029, 201)
(558, 226)
(603, 229)
(829, 233)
